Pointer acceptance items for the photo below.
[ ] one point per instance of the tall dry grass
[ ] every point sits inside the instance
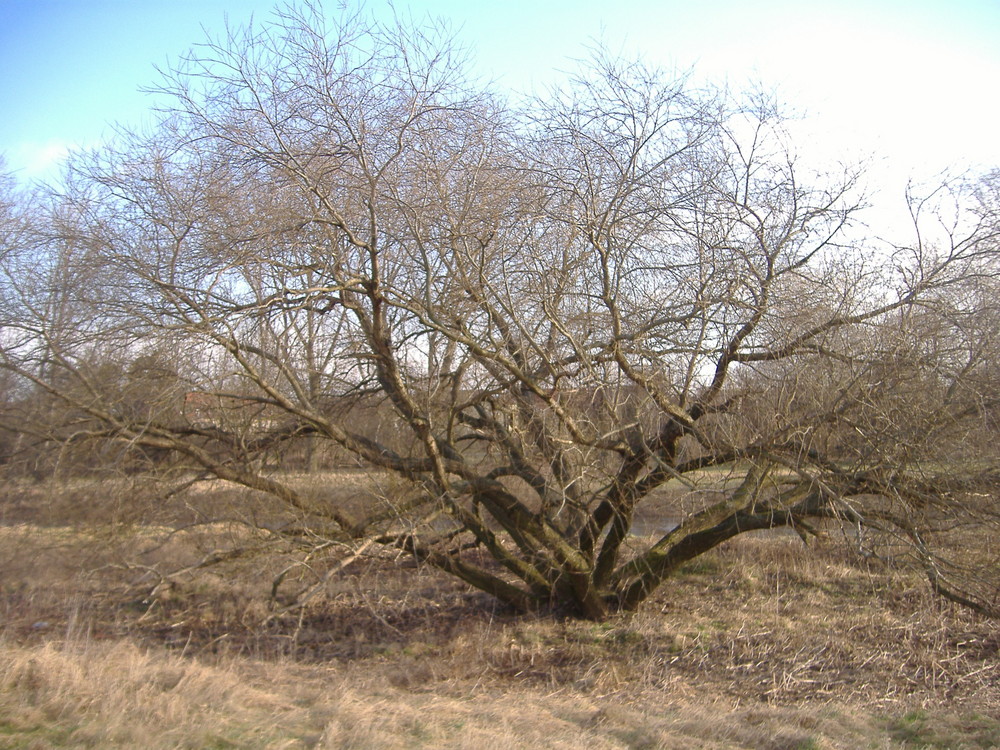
(762, 643)
(117, 695)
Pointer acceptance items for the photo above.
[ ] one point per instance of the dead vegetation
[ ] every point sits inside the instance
(117, 695)
(121, 634)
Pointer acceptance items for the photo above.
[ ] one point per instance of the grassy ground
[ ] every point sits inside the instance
(761, 644)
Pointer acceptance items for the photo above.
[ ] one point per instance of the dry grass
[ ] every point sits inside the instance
(114, 694)
(761, 644)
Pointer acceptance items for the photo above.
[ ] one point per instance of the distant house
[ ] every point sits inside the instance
(227, 412)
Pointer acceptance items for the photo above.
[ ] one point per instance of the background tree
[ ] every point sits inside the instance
(535, 317)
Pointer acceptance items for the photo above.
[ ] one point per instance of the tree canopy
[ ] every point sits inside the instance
(537, 315)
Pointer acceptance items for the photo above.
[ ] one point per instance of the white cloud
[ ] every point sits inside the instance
(33, 160)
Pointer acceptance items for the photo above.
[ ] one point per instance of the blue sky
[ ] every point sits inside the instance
(913, 82)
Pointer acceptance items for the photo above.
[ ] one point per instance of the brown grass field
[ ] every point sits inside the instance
(763, 643)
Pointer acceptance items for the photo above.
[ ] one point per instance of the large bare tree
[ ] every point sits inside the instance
(535, 316)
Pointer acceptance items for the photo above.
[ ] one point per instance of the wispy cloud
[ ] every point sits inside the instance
(34, 160)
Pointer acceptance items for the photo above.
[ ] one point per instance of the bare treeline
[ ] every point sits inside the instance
(337, 245)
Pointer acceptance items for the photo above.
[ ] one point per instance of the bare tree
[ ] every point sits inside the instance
(536, 317)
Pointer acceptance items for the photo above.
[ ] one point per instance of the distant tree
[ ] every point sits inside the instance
(535, 317)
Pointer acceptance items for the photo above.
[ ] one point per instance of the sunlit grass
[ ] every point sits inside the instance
(760, 643)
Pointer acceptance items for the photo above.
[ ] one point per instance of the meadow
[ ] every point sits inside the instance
(134, 619)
